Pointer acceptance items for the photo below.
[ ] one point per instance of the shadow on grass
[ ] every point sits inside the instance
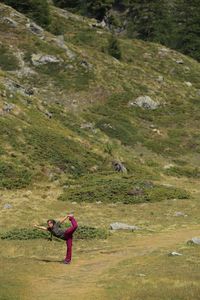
(48, 260)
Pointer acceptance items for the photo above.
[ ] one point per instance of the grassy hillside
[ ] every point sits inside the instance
(71, 116)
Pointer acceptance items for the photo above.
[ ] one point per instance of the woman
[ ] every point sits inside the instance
(65, 234)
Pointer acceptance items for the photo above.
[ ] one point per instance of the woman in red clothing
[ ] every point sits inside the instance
(54, 228)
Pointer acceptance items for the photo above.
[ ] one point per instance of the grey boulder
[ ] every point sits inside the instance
(41, 59)
(174, 253)
(144, 102)
(35, 29)
(194, 240)
(7, 206)
(123, 226)
(119, 167)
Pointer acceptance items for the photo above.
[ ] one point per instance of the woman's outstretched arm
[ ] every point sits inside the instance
(41, 227)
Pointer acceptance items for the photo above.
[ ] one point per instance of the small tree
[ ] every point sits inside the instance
(114, 47)
(150, 20)
(38, 10)
(187, 30)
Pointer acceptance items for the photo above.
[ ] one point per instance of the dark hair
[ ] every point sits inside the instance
(52, 221)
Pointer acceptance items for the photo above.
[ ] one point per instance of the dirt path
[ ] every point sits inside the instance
(81, 279)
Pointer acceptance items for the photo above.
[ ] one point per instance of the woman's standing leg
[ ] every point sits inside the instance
(69, 238)
(69, 250)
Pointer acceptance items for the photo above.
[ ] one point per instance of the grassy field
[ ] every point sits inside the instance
(126, 265)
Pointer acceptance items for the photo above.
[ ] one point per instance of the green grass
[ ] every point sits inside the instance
(14, 176)
(183, 171)
(8, 61)
(47, 146)
(156, 276)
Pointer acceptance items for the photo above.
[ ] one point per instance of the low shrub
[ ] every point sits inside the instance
(38, 10)
(8, 62)
(13, 176)
(88, 233)
(114, 47)
(82, 233)
(183, 171)
(124, 190)
(48, 146)
(24, 234)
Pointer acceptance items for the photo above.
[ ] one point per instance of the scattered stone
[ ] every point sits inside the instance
(3, 93)
(144, 102)
(189, 84)
(7, 206)
(103, 24)
(160, 79)
(48, 114)
(85, 64)
(94, 169)
(147, 55)
(179, 214)
(8, 107)
(194, 240)
(141, 275)
(25, 71)
(34, 28)
(119, 167)
(27, 194)
(179, 61)
(167, 185)
(136, 192)
(157, 131)
(89, 126)
(123, 226)
(98, 202)
(169, 166)
(108, 125)
(163, 52)
(187, 69)
(14, 86)
(41, 59)
(10, 22)
(65, 187)
(152, 126)
(74, 202)
(175, 254)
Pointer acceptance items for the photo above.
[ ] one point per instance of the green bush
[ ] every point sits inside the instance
(183, 171)
(38, 10)
(8, 61)
(24, 234)
(13, 176)
(88, 233)
(82, 233)
(121, 189)
(119, 128)
(47, 146)
(114, 47)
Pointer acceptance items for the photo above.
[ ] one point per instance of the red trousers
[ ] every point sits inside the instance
(69, 237)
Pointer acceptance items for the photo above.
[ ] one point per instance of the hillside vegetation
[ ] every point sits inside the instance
(67, 105)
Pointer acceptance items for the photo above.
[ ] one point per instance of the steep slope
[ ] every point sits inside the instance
(68, 108)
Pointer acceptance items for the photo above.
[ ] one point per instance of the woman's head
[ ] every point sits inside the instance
(51, 223)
